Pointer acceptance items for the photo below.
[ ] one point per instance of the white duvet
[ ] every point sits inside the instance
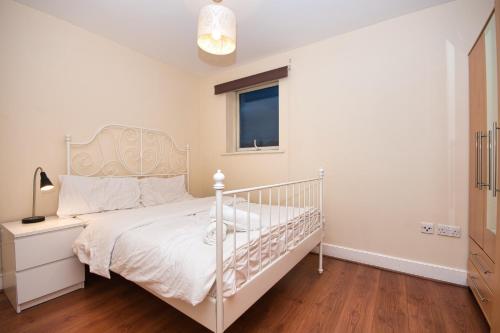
(161, 248)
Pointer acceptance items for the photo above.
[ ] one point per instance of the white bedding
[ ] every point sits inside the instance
(161, 248)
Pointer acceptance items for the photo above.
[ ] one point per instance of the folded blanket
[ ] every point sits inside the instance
(211, 233)
(228, 214)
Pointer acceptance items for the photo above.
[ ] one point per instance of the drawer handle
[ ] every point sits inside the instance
(481, 297)
(479, 263)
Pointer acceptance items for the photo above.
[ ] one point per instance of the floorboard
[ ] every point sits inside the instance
(358, 311)
(391, 307)
(347, 297)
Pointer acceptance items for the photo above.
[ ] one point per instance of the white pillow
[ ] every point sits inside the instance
(84, 195)
(157, 191)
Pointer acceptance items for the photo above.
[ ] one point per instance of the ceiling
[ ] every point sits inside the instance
(166, 29)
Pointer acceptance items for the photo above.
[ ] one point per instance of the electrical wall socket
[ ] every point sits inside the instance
(426, 227)
(449, 230)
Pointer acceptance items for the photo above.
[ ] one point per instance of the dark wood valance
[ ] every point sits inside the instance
(274, 74)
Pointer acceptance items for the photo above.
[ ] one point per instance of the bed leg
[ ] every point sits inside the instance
(320, 254)
(321, 219)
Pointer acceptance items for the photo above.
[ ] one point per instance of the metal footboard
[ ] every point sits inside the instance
(295, 211)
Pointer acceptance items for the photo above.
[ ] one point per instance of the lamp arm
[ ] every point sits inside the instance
(34, 190)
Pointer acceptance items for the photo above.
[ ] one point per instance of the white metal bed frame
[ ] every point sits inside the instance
(119, 150)
(132, 152)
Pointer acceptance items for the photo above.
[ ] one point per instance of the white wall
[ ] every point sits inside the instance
(57, 79)
(384, 110)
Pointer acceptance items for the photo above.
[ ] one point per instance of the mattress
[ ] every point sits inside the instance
(161, 248)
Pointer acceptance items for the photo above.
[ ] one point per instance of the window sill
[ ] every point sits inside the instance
(254, 152)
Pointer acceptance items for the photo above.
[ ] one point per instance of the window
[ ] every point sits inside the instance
(258, 118)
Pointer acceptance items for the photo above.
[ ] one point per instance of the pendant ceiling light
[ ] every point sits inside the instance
(217, 29)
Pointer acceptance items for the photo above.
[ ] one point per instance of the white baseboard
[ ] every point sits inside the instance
(431, 271)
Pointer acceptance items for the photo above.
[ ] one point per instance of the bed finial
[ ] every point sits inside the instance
(321, 173)
(219, 178)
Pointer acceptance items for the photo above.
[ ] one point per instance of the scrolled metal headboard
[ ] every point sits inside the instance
(119, 151)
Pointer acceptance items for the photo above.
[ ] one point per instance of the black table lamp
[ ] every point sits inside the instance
(45, 185)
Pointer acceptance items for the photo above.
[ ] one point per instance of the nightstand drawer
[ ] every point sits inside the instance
(39, 249)
(43, 280)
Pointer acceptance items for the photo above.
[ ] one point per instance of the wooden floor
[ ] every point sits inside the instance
(347, 298)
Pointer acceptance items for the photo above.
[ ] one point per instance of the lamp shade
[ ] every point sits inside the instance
(45, 183)
(217, 29)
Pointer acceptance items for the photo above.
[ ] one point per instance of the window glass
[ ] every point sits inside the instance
(259, 117)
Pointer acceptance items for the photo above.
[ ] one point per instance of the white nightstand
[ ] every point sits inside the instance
(38, 261)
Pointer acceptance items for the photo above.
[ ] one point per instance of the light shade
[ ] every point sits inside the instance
(45, 183)
(217, 29)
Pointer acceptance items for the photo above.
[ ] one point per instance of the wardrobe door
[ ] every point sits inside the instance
(489, 236)
(496, 304)
(477, 136)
